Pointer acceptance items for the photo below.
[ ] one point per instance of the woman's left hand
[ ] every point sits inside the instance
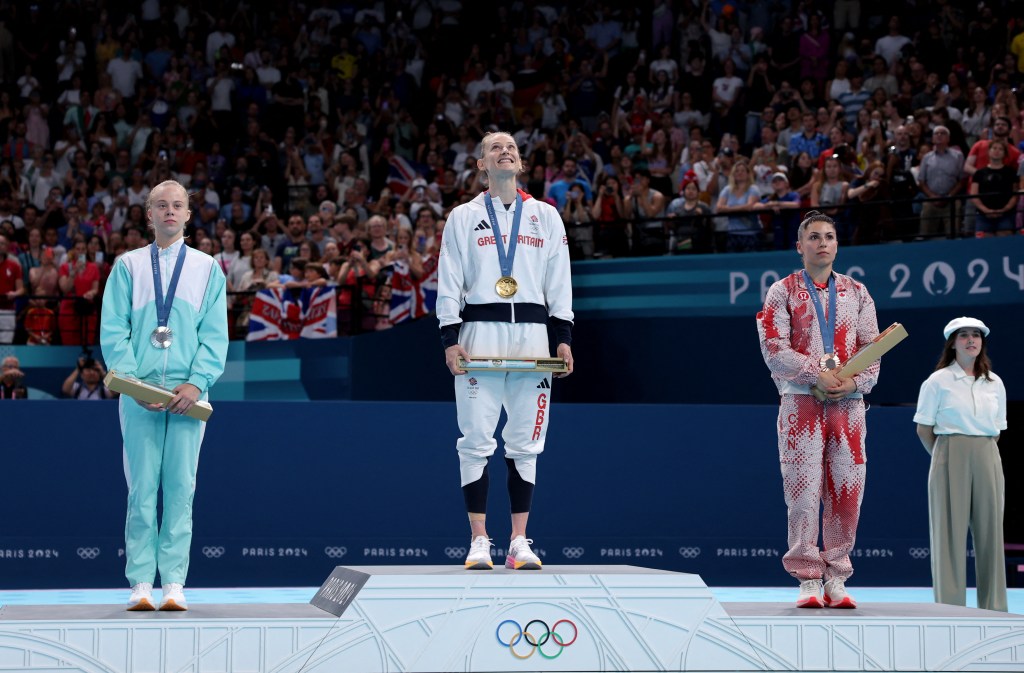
(846, 387)
(565, 353)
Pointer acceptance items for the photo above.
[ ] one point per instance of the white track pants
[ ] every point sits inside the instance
(480, 396)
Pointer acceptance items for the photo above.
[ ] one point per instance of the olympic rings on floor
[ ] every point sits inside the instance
(536, 642)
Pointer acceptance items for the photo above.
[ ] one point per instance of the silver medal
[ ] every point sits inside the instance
(161, 337)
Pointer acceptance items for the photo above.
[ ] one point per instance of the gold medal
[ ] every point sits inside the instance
(506, 287)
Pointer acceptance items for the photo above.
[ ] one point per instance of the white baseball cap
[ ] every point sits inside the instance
(962, 322)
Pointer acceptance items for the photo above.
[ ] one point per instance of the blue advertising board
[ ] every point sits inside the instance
(974, 272)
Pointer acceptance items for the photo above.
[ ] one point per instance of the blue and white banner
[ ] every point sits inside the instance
(934, 274)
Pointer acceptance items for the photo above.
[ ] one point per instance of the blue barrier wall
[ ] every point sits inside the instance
(287, 490)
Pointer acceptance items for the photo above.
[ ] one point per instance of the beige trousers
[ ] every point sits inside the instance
(966, 491)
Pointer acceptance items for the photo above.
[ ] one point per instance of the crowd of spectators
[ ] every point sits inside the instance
(324, 143)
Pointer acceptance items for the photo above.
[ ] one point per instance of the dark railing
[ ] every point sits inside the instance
(860, 223)
(68, 320)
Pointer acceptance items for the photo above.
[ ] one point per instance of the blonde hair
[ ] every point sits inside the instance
(732, 176)
(167, 183)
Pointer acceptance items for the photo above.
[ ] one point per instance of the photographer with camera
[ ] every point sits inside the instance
(11, 377)
(85, 382)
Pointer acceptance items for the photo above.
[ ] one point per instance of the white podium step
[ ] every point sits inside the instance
(576, 618)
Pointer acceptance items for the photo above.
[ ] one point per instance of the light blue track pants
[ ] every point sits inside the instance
(160, 450)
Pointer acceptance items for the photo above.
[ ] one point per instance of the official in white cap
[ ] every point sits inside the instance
(961, 411)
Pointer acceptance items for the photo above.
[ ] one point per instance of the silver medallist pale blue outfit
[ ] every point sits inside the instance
(160, 448)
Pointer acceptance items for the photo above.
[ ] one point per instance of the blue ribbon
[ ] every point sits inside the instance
(163, 306)
(505, 261)
(827, 327)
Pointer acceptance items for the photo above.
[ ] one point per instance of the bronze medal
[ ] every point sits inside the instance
(506, 287)
(828, 362)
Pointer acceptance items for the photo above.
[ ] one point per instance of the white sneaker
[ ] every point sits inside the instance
(479, 557)
(520, 556)
(174, 597)
(141, 598)
(810, 594)
(836, 596)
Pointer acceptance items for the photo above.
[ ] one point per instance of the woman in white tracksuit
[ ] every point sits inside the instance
(503, 278)
(182, 348)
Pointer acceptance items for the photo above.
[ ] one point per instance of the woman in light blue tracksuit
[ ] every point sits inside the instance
(164, 321)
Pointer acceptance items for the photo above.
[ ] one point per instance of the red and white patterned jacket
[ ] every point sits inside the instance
(791, 338)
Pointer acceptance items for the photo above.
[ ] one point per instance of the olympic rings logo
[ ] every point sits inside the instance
(335, 552)
(88, 553)
(689, 552)
(454, 552)
(537, 642)
(572, 552)
(918, 552)
(213, 552)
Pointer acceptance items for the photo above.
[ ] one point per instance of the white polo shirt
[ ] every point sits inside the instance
(958, 404)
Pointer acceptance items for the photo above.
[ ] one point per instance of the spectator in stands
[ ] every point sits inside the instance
(873, 217)
(289, 248)
(939, 176)
(608, 212)
(644, 205)
(380, 244)
(890, 46)
(12, 286)
(79, 281)
(85, 382)
(570, 176)
(736, 201)
(12, 386)
(828, 193)
(993, 192)
(576, 217)
(691, 228)
(809, 139)
(783, 209)
(228, 251)
(31, 256)
(899, 172)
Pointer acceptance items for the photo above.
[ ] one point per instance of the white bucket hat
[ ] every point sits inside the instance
(961, 322)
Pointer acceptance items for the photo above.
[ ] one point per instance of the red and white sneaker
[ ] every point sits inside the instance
(520, 556)
(836, 596)
(810, 594)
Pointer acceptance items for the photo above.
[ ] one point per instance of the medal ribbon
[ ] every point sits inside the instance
(163, 306)
(505, 261)
(827, 327)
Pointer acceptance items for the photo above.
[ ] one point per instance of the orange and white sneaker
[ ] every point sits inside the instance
(479, 557)
(173, 598)
(141, 599)
(810, 594)
(836, 596)
(520, 556)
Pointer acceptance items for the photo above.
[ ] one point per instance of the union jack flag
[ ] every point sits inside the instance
(411, 298)
(278, 315)
(401, 173)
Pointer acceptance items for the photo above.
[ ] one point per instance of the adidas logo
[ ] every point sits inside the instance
(480, 227)
(544, 384)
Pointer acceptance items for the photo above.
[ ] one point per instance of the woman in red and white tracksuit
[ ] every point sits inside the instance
(480, 318)
(821, 443)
